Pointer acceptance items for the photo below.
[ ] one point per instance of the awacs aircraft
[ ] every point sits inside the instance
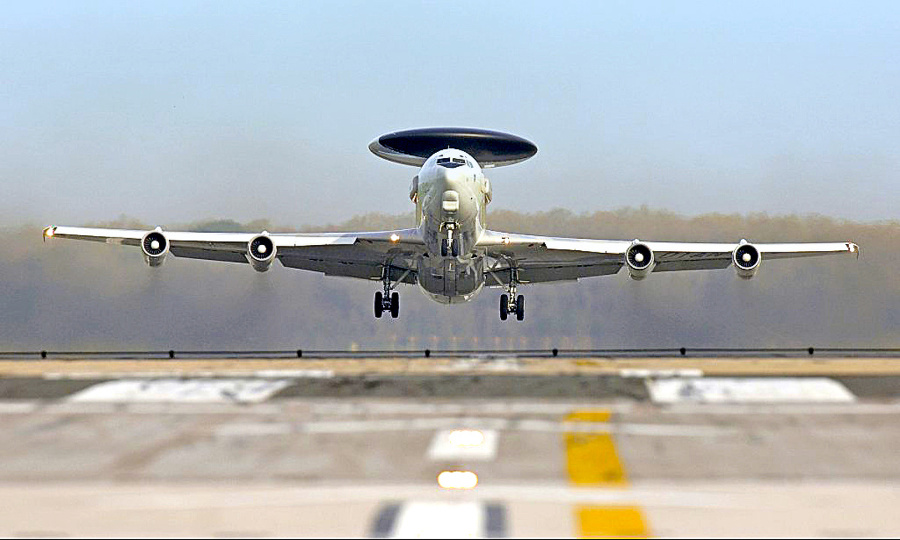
(451, 254)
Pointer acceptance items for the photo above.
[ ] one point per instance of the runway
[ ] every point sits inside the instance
(487, 446)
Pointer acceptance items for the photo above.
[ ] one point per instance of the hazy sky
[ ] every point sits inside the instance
(177, 111)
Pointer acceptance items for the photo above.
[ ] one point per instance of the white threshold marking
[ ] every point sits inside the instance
(468, 445)
(749, 390)
(180, 391)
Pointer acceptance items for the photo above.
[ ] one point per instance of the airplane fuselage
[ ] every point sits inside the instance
(451, 194)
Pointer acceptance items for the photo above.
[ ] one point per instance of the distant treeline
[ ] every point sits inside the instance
(78, 295)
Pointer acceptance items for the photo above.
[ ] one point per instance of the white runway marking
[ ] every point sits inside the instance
(658, 373)
(749, 390)
(484, 425)
(85, 407)
(17, 407)
(800, 408)
(660, 495)
(181, 391)
(500, 364)
(254, 429)
(467, 445)
(473, 407)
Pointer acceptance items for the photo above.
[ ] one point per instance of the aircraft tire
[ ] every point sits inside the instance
(379, 307)
(443, 247)
(395, 305)
(520, 308)
(454, 249)
(504, 307)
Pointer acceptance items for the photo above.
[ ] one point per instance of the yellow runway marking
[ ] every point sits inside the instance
(592, 461)
(610, 522)
(590, 415)
(591, 458)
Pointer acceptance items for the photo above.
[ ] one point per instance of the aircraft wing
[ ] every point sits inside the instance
(362, 255)
(539, 259)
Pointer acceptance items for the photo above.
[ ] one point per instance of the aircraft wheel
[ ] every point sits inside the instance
(395, 305)
(443, 247)
(454, 249)
(379, 306)
(520, 308)
(504, 307)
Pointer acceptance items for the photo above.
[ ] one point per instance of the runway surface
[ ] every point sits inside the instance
(486, 446)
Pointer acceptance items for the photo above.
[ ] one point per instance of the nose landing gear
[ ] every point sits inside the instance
(448, 245)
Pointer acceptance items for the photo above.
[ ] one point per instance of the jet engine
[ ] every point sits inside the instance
(746, 260)
(261, 252)
(155, 246)
(639, 259)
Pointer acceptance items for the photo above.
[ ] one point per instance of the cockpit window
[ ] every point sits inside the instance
(451, 163)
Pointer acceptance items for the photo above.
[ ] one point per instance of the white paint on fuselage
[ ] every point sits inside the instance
(451, 280)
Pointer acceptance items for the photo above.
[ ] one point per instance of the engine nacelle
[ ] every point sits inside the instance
(746, 260)
(155, 246)
(261, 252)
(639, 260)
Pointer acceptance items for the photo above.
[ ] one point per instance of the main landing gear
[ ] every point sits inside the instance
(387, 300)
(510, 303)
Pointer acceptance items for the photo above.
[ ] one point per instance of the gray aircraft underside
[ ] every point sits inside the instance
(451, 255)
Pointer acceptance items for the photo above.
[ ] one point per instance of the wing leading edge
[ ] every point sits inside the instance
(362, 255)
(539, 259)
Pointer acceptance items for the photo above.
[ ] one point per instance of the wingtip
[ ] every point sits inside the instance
(48, 232)
(852, 247)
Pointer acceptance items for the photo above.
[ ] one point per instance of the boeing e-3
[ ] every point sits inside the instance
(451, 254)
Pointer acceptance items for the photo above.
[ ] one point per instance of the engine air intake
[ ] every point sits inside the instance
(155, 246)
(261, 252)
(746, 260)
(640, 260)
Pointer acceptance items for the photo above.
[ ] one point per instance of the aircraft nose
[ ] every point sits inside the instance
(451, 176)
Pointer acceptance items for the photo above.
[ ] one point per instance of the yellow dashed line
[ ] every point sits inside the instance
(592, 461)
(610, 522)
(591, 458)
(590, 415)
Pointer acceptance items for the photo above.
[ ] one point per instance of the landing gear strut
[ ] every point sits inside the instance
(387, 300)
(510, 303)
